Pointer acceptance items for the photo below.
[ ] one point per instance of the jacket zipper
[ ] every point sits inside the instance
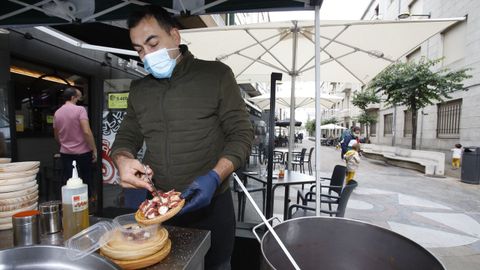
(166, 145)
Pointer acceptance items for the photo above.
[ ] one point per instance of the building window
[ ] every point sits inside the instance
(388, 124)
(373, 127)
(448, 121)
(407, 123)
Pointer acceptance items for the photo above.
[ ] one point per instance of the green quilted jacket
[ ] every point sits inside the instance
(188, 122)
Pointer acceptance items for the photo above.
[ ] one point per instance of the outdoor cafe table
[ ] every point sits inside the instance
(290, 178)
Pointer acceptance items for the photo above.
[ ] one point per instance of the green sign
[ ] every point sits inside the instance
(49, 119)
(117, 100)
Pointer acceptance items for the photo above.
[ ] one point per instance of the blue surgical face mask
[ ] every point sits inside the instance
(159, 63)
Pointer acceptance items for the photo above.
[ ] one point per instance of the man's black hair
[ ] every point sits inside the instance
(164, 19)
(68, 93)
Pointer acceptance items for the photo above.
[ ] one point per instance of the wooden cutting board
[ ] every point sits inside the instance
(16, 194)
(6, 226)
(11, 207)
(18, 187)
(19, 199)
(9, 175)
(5, 160)
(19, 166)
(4, 214)
(146, 261)
(13, 181)
(120, 249)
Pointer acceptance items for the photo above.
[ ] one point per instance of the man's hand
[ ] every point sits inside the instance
(94, 156)
(132, 173)
(199, 194)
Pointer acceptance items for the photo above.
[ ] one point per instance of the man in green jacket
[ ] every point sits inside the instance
(193, 120)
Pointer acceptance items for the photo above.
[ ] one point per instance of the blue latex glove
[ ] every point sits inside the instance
(199, 194)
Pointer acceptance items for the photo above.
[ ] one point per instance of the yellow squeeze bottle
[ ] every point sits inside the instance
(74, 205)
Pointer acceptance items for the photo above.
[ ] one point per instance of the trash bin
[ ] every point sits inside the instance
(471, 165)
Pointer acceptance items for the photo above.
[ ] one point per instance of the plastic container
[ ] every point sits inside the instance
(89, 240)
(74, 205)
(131, 231)
(99, 234)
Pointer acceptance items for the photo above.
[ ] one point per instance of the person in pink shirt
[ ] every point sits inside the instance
(73, 134)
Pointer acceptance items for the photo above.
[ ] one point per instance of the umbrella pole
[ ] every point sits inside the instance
(317, 106)
(293, 74)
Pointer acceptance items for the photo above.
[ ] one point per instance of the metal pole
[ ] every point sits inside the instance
(274, 77)
(293, 74)
(318, 112)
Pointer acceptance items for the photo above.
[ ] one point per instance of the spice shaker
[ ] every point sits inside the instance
(50, 217)
(26, 229)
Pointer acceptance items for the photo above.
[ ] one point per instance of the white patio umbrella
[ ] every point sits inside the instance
(331, 126)
(303, 99)
(350, 51)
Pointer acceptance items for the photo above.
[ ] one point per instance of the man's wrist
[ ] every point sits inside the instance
(121, 155)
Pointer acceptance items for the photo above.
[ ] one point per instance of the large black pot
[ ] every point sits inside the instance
(338, 243)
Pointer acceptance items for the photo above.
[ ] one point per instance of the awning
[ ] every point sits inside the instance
(47, 12)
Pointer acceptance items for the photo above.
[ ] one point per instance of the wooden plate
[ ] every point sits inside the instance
(6, 226)
(119, 249)
(9, 175)
(16, 194)
(19, 199)
(11, 207)
(11, 213)
(17, 187)
(140, 218)
(5, 160)
(19, 166)
(13, 181)
(147, 261)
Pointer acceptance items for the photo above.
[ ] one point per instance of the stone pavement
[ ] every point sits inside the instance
(441, 214)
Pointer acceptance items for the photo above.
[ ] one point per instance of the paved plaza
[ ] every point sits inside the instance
(441, 214)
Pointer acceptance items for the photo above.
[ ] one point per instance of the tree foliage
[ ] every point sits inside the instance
(310, 126)
(417, 85)
(329, 121)
(362, 99)
(366, 118)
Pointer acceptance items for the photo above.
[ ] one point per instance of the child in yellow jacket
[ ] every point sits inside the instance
(352, 158)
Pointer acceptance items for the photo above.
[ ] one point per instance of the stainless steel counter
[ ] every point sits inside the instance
(189, 247)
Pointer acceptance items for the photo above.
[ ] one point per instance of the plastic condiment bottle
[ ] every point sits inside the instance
(74, 205)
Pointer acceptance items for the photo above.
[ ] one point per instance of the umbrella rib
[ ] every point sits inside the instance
(326, 60)
(356, 48)
(205, 7)
(258, 58)
(140, 3)
(24, 9)
(37, 9)
(105, 11)
(262, 62)
(220, 58)
(267, 50)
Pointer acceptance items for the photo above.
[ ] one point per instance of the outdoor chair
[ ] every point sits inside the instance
(308, 160)
(340, 201)
(255, 153)
(298, 160)
(278, 158)
(335, 185)
(242, 198)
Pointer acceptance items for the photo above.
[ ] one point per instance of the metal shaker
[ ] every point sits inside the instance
(50, 219)
(26, 229)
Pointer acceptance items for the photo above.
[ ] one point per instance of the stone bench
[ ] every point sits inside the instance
(428, 162)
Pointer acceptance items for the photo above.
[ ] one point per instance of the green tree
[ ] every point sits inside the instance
(329, 121)
(310, 127)
(361, 100)
(415, 85)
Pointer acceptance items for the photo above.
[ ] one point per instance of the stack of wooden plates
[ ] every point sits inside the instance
(18, 190)
(137, 255)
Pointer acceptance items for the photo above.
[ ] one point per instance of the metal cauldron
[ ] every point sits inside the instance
(50, 258)
(343, 244)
